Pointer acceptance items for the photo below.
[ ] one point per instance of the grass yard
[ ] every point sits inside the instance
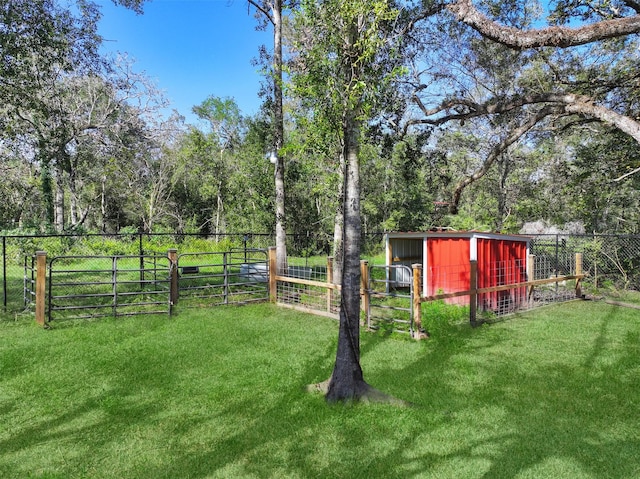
(220, 393)
(628, 297)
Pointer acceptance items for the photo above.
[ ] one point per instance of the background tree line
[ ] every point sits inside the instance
(460, 131)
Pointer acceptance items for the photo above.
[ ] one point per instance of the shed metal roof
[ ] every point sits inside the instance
(458, 234)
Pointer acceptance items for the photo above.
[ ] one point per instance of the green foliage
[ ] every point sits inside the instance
(225, 120)
(401, 184)
(223, 183)
(603, 205)
(347, 32)
(216, 179)
(441, 318)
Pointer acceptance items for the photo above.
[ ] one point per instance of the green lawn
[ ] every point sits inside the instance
(630, 297)
(552, 393)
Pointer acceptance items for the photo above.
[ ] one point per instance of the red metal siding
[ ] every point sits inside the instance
(501, 262)
(448, 266)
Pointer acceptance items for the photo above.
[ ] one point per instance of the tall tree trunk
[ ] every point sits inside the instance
(272, 10)
(338, 227)
(347, 381)
(502, 192)
(47, 192)
(73, 199)
(278, 137)
(103, 202)
(219, 212)
(59, 203)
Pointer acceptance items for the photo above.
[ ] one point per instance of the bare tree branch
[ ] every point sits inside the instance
(513, 136)
(632, 172)
(551, 36)
(262, 9)
(571, 103)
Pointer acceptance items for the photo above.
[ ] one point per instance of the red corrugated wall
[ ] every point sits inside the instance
(501, 261)
(448, 267)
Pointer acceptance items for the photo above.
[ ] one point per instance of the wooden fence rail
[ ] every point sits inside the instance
(417, 299)
(416, 328)
(474, 291)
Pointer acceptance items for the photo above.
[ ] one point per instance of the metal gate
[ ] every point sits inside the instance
(390, 298)
(233, 277)
(98, 286)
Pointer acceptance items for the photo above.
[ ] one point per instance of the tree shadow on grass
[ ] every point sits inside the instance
(510, 414)
(299, 435)
(558, 416)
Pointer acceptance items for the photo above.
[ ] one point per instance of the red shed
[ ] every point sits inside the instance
(446, 263)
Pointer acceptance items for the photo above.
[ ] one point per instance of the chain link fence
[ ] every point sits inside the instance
(610, 261)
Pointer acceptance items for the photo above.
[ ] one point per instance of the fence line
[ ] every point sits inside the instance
(410, 311)
(236, 276)
(249, 275)
(77, 287)
(388, 300)
(605, 258)
(108, 286)
(15, 248)
(310, 290)
(608, 259)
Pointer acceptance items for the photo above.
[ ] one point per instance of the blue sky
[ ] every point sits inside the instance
(191, 49)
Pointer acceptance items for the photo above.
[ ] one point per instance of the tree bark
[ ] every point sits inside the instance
(219, 211)
(272, 11)
(347, 381)
(47, 192)
(338, 227)
(561, 37)
(74, 216)
(59, 203)
(103, 202)
(278, 137)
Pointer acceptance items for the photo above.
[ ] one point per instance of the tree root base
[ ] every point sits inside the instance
(365, 394)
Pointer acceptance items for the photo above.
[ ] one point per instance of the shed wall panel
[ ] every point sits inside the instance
(501, 262)
(502, 259)
(448, 267)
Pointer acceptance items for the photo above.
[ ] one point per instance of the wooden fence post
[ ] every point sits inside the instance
(41, 281)
(473, 290)
(174, 292)
(272, 275)
(330, 281)
(364, 288)
(418, 330)
(578, 273)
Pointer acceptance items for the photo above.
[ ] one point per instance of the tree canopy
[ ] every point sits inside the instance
(460, 101)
